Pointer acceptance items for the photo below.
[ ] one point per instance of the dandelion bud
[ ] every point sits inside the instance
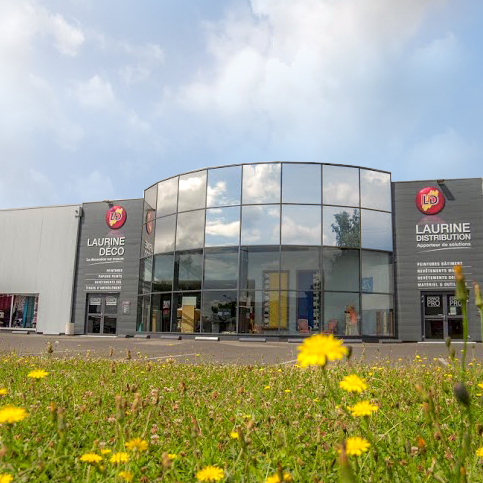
(50, 349)
(447, 341)
(478, 298)
(111, 352)
(136, 403)
(349, 352)
(461, 293)
(452, 353)
(128, 355)
(53, 411)
(119, 408)
(462, 394)
(113, 368)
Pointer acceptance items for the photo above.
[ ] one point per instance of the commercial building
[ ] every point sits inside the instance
(273, 250)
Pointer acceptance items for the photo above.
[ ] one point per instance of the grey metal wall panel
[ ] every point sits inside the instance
(94, 226)
(37, 256)
(464, 204)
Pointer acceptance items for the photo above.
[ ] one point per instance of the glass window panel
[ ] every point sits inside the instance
(150, 200)
(188, 270)
(377, 272)
(187, 315)
(261, 183)
(260, 225)
(219, 312)
(341, 269)
(222, 226)
(94, 304)
(375, 190)
(377, 315)
(163, 273)
(259, 312)
(161, 313)
(5, 310)
(110, 304)
(192, 191)
(144, 311)
(376, 230)
(221, 268)
(304, 312)
(341, 313)
(302, 266)
(341, 185)
(191, 230)
(301, 183)
(259, 268)
(164, 238)
(301, 225)
(145, 274)
(167, 197)
(224, 186)
(341, 227)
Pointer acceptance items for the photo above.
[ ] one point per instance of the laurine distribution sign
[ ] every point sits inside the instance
(435, 235)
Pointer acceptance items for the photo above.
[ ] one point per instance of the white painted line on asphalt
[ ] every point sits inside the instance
(167, 357)
(287, 362)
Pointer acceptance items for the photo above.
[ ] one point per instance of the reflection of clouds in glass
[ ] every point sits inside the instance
(261, 183)
(192, 189)
(222, 226)
(261, 225)
(375, 190)
(167, 197)
(164, 239)
(190, 230)
(150, 197)
(224, 186)
(301, 225)
(341, 185)
(376, 230)
(341, 194)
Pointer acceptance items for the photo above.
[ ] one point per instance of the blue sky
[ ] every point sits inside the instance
(101, 99)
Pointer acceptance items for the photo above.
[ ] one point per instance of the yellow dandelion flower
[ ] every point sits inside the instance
(172, 456)
(234, 435)
(3, 391)
(91, 458)
(105, 451)
(363, 408)
(275, 478)
(5, 478)
(353, 383)
(12, 414)
(479, 452)
(266, 387)
(137, 444)
(287, 390)
(125, 475)
(480, 385)
(210, 473)
(37, 374)
(319, 349)
(356, 446)
(121, 457)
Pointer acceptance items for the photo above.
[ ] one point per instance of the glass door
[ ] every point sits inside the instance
(102, 313)
(442, 316)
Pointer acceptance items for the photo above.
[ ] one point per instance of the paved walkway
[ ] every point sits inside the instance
(222, 352)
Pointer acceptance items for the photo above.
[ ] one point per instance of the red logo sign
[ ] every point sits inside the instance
(430, 200)
(116, 217)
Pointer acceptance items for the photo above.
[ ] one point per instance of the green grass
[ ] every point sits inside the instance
(190, 410)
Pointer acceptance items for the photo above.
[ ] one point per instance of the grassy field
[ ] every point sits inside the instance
(253, 423)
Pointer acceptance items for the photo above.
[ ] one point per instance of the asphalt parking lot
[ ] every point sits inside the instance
(212, 352)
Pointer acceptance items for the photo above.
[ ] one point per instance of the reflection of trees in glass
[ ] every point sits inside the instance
(346, 228)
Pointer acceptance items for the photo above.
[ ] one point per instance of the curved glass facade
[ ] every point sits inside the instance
(269, 248)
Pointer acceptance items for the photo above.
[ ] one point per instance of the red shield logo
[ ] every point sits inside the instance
(149, 221)
(430, 200)
(116, 217)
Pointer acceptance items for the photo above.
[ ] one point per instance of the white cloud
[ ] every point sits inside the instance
(68, 38)
(95, 92)
(94, 186)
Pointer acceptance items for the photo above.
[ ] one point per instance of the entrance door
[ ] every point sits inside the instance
(442, 316)
(102, 313)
